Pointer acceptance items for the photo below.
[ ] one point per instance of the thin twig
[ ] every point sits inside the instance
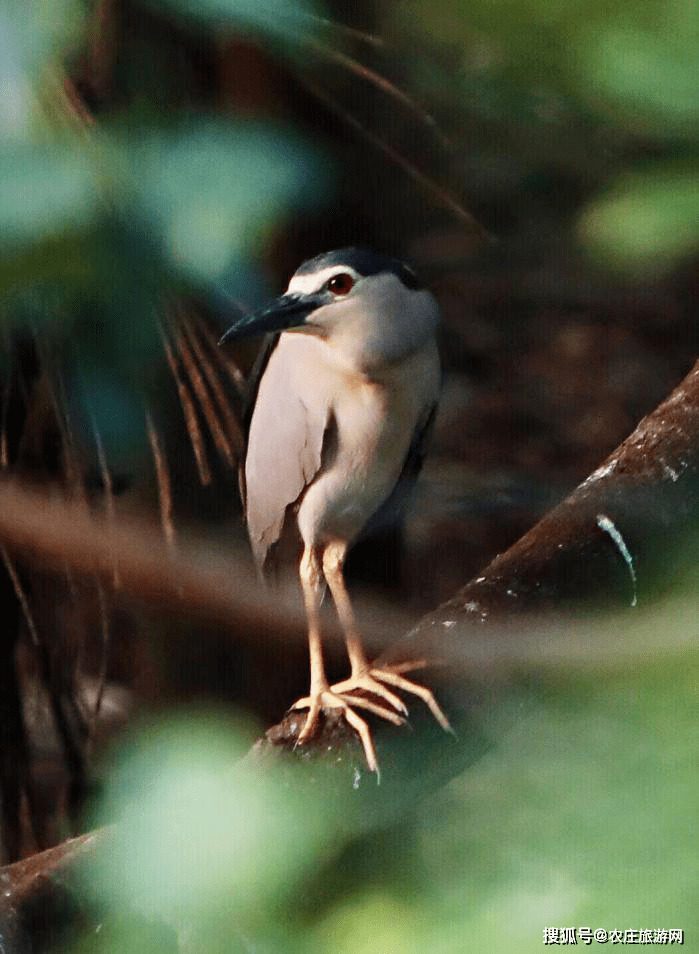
(56, 390)
(189, 411)
(232, 424)
(384, 84)
(102, 674)
(106, 475)
(229, 366)
(54, 386)
(444, 197)
(354, 32)
(163, 477)
(7, 390)
(20, 594)
(200, 389)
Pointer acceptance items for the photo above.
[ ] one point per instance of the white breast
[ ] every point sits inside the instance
(376, 419)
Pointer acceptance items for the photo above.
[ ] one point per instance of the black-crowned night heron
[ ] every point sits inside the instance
(343, 405)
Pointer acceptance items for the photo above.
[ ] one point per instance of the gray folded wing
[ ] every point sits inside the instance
(284, 454)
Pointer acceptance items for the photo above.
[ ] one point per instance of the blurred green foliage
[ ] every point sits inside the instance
(275, 18)
(570, 69)
(659, 211)
(212, 191)
(189, 856)
(33, 36)
(582, 816)
(51, 191)
(98, 224)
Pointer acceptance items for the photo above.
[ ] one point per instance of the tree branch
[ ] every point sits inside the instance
(611, 544)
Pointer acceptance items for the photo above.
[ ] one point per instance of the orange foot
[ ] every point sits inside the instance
(329, 699)
(372, 679)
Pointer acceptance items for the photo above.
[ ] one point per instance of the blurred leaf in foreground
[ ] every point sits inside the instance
(646, 221)
(46, 191)
(37, 31)
(94, 233)
(211, 190)
(583, 815)
(200, 841)
(652, 74)
(279, 18)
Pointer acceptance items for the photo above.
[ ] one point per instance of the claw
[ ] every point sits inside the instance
(328, 699)
(371, 680)
(393, 678)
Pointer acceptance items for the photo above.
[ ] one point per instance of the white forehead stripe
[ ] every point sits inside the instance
(306, 284)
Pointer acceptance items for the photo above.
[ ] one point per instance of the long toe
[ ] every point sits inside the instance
(388, 714)
(328, 699)
(311, 723)
(422, 692)
(368, 683)
(362, 730)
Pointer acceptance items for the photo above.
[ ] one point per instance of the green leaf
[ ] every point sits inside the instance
(647, 221)
(655, 73)
(46, 191)
(199, 835)
(280, 18)
(35, 31)
(211, 191)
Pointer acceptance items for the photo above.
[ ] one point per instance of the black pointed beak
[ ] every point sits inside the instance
(288, 311)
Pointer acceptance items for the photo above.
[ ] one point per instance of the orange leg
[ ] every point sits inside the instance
(321, 696)
(363, 675)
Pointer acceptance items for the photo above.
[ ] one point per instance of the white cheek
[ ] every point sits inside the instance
(337, 315)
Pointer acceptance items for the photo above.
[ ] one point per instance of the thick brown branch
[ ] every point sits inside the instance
(613, 541)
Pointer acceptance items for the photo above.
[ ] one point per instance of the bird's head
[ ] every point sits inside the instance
(369, 305)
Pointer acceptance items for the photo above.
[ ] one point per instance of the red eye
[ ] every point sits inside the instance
(340, 284)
